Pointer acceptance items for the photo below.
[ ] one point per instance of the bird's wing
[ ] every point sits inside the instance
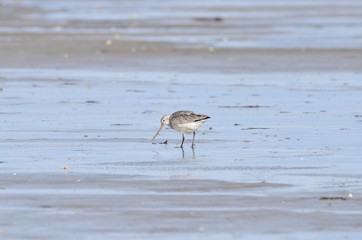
(184, 117)
(183, 112)
(201, 118)
(180, 117)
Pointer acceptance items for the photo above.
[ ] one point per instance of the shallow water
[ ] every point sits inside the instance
(239, 24)
(301, 132)
(263, 127)
(279, 157)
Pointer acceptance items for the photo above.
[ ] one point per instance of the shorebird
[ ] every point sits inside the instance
(183, 121)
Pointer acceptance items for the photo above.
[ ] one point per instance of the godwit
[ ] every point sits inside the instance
(184, 122)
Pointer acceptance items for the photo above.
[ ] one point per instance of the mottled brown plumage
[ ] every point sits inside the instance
(184, 122)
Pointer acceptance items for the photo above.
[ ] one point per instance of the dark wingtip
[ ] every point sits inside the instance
(204, 118)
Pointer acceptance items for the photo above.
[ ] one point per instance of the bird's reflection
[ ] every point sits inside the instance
(183, 153)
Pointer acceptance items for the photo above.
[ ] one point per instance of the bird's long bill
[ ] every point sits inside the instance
(158, 131)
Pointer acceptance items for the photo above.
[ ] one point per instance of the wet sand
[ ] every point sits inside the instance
(107, 205)
(83, 87)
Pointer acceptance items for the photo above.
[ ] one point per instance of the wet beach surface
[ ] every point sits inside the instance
(83, 88)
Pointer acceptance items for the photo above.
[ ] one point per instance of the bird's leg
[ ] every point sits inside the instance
(183, 139)
(193, 140)
(183, 153)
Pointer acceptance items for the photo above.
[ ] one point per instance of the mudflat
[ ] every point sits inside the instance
(83, 86)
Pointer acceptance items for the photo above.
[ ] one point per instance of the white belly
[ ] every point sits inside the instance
(188, 127)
